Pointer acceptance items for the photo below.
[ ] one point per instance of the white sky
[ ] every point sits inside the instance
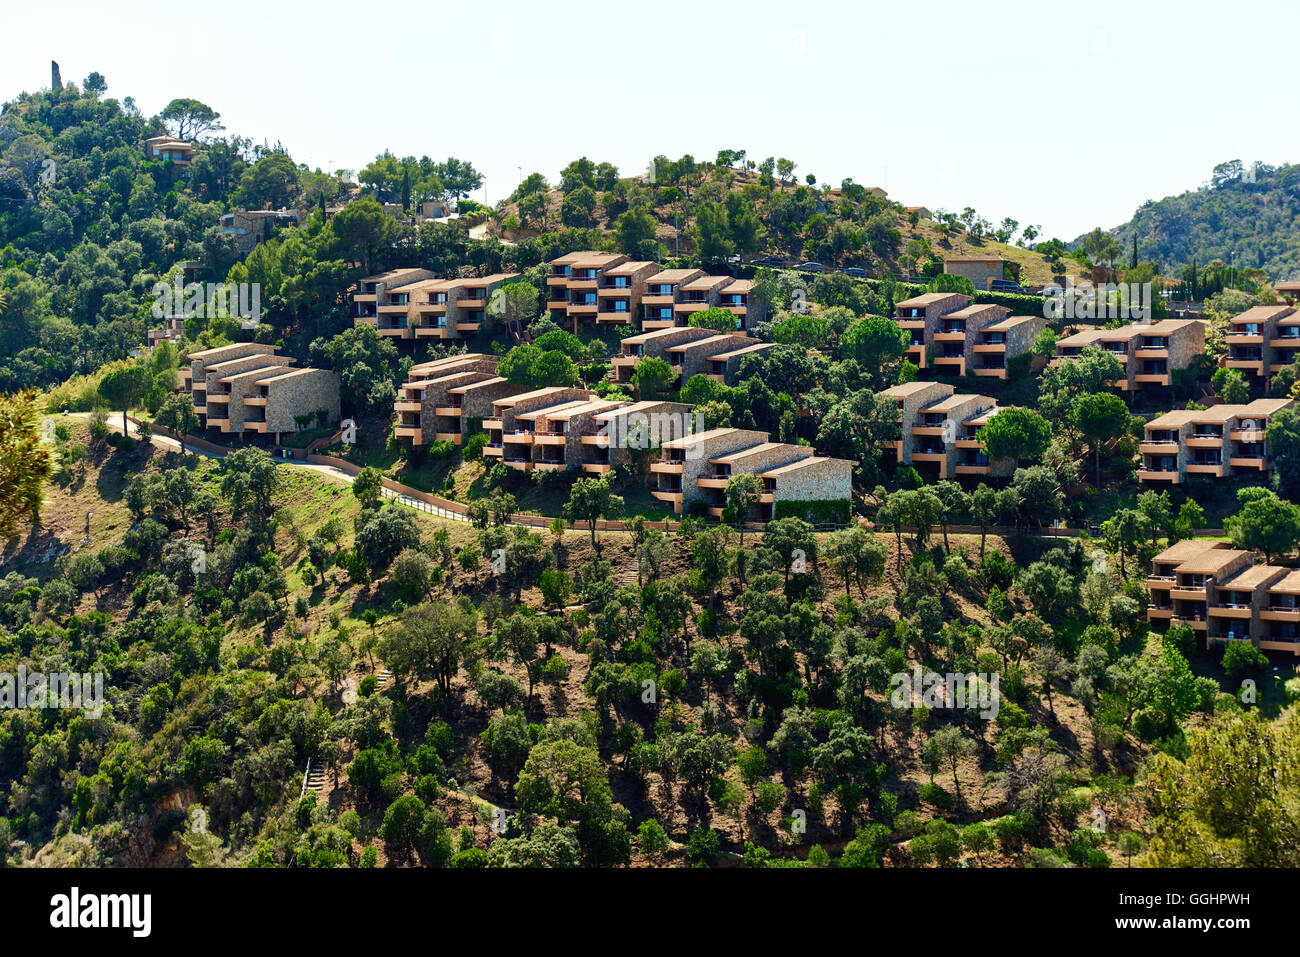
(1065, 116)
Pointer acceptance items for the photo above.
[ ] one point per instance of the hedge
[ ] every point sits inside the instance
(825, 511)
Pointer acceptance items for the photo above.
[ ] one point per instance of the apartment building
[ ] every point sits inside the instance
(1225, 595)
(725, 366)
(663, 295)
(737, 297)
(697, 295)
(1250, 339)
(654, 345)
(1149, 352)
(619, 291)
(372, 292)
(513, 426)
(246, 388)
(180, 152)
(699, 466)
(938, 428)
(956, 334)
(1285, 344)
(442, 399)
(574, 283)
(613, 434)
(919, 318)
(694, 357)
(1222, 440)
(998, 342)
(436, 308)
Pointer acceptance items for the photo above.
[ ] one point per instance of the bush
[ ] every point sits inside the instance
(832, 511)
(474, 446)
(936, 796)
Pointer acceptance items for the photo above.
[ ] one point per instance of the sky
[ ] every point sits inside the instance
(1064, 117)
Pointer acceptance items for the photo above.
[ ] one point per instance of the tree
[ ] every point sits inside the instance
(192, 118)
(362, 230)
(1264, 523)
(515, 303)
(878, 345)
(1231, 386)
(1100, 417)
(177, 413)
(1125, 529)
(1282, 438)
(983, 507)
(432, 642)
(789, 536)
(857, 555)
(652, 377)
(250, 480)
(124, 387)
(715, 318)
(590, 500)
(24, 463)
(635, 228)
(953, 747)
(368, 486)
(742, 497)
(1229, 802)
(1017, 434)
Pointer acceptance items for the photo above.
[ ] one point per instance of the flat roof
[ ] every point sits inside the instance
(1010, 322)
(926, 299)
(706, 282)
(1290, 583)
(628, 268)
(261, 370)
(1210, 560)
(535, 394)
(461, 389)
(1252, 577)
(951, 402)
(802, 464)
(645, 405)
(972, 310)
(707, 436)
(905, 389)
(258, 347)
(219, 367)
(490, 279)
(1263, 313)
(290, 374)
(1187, 548)
(394, 274)
(673, 276)
(580, 407)
(752, 450)
(744, 350)
(644, 337)
(546, 410)
(714, 340)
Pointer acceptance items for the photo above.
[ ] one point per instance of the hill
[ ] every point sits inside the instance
(1245, 214)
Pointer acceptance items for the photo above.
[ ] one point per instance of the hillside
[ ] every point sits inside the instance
(1245, 215)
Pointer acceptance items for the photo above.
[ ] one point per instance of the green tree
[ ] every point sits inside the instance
(590, 500)
(1100, 417)
(1017, 434)
(1264, 523)
(123, 387)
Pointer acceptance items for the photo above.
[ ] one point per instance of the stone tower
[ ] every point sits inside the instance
(56, 82)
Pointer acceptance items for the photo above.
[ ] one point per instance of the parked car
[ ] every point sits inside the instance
(857, 272)
(1006, 285)
(810, 267)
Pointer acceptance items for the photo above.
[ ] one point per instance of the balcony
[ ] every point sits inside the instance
(1150, 378)
(1280, 613)
(405, 406)
(989, 347)
(449, 411)
(596, 468)
(453, 437)
(1204, 441)
(1158, 448)
(411, 432)
(550, 438)
(667, 468)
(255, 425)
(547, 465)
(1231, 611)
(1158, 352)
(1205, 468)
(522, 465)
